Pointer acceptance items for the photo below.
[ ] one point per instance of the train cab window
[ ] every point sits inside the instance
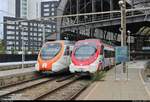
(85, 52)
(50, 50)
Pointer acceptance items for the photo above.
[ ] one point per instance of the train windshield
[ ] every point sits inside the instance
(50, 50)
(85, 52)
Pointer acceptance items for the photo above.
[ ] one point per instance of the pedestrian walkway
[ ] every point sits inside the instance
(120, 89)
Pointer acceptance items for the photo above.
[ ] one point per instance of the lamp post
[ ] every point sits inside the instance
(129, 43)
(22, 35)
(44, 34)
(122, 4)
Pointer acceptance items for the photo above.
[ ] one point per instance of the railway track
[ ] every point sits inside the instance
(7, 92)
(68, 91)
(65, 88)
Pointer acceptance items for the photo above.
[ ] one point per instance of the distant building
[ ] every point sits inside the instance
(33, 35)
(48, 9)
(29, 9)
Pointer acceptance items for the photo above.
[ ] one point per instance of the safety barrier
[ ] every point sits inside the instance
(16, 65)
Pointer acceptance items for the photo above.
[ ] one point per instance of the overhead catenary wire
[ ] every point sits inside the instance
(74, 15)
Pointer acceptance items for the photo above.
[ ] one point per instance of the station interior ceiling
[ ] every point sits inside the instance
(139, 30)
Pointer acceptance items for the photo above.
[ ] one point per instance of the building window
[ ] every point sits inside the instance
(52, 14)
(17, 33)
(53, 18)
(40, 39)
(10, 37)
(10, 32)
(52, 5)
(35, 24)
(46, 5)
(9, 48)
(17, 43)
(24, 23)
(46, 14)
(35, 38)
(54, 26)
(46, 10)
(52, 9)
(17, 38)
(35, 29)
(35, 34)
(10, 22)
(17, 48)
(10, 27)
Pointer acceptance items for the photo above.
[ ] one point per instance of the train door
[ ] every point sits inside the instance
(101, 60)
(67, 55)
(106, 58)
(71, 49)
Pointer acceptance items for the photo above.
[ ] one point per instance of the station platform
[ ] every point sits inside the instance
(117, 86)
(16, 71)
(10, 77)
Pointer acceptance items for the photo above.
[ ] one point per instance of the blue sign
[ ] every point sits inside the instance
(121, 54)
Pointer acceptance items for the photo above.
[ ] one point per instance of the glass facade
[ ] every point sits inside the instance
(24, 6)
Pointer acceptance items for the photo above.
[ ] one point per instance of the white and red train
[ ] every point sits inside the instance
(90, 56)
(54, 56)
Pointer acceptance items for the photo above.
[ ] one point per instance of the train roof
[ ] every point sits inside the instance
(106, 45)
(97, 40)
(66, 42)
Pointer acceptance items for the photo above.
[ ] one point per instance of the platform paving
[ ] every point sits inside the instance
(116, 86)
(16, 71)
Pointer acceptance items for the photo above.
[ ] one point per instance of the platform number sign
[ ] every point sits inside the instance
(121, 54)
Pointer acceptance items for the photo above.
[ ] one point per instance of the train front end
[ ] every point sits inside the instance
(85, 57)
(49, 56)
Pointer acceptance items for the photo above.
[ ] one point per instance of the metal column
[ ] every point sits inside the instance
(93, 8)
(111, 8)
(102, 7)
(77, 11)
(123, 28)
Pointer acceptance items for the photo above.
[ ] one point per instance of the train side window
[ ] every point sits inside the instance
(105, 53)
(113, 54)
(109, 54)
(102, 50)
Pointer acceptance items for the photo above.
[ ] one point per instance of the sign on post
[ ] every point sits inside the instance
(121, 54)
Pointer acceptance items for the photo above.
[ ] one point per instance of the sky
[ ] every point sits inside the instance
(3, 12)
(3, 7)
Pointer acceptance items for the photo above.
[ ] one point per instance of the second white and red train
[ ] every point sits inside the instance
(90, 56)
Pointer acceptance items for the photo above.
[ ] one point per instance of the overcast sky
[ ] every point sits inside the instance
(4, 9)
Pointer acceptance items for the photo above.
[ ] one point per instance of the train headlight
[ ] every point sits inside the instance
(37, 66)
